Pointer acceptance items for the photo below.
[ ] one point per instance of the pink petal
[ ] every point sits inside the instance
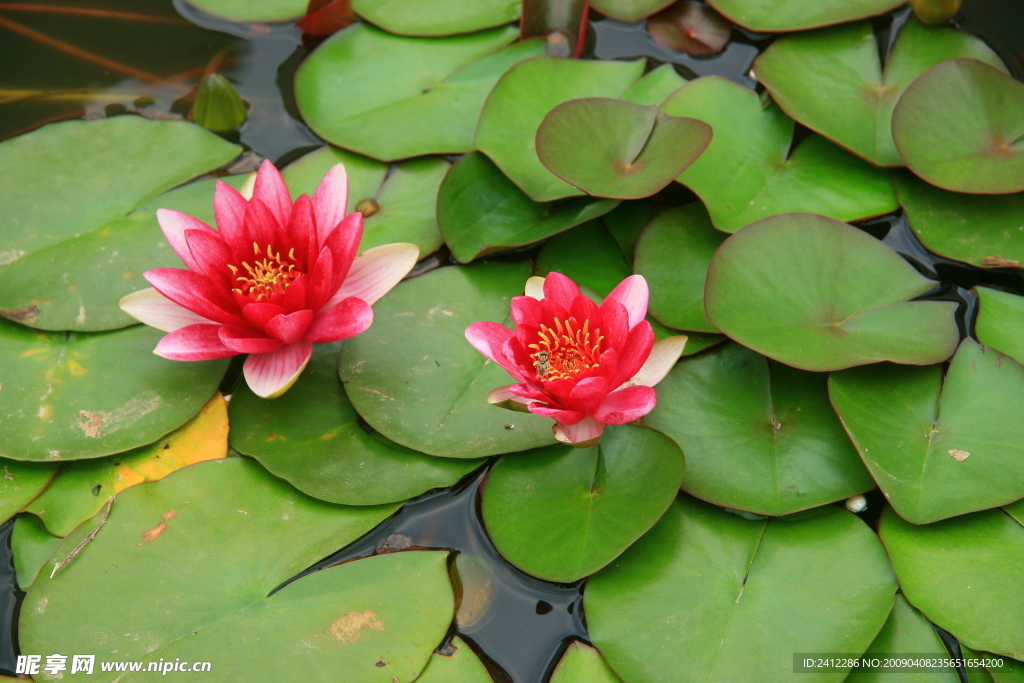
(345, 319)
(271, 190)
(290, 328)
(174, 224)
(301, 232)
(271, 374)
(663, 357)
(587, 395)
(535, 287)
(634, 352)
(376, 271)
(212, 256)
(562, 417)
(633, 294)
(330, 200)
(295, 295)
(503, 397)
(320, 280)
(526, 311)
(488, 338)
(343, 242)
(560, 289)
(261, 229)
(194, 292)
(626, 405)
(244, 341)
(195, 342)
(154, 309)
(259, 314)
(584, 433)
(229, 210)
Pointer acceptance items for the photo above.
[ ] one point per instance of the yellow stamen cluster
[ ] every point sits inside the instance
(267, 276)
(570, 349)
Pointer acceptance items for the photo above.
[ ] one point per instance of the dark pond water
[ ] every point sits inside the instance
(93, 62)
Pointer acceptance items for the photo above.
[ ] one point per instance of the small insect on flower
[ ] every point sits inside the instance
(583, 365)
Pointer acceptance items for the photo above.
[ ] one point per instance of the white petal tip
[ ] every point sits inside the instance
(248, 185)
(535, 287)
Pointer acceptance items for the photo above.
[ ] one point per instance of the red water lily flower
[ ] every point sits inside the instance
(274, 278)
(584, 365)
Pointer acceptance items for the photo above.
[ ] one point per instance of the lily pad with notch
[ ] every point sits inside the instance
(938, 445)
(562, 513)
(403, 195)
(771, 16)
(436, 17)
(1000, 321)
(960, 126)
(618, 149)
(707, 595)
(758, 435)
(817, 294)
(403, 97)
(832, 80)
(751, 169)
(454, 662)
(583, 664)
(20, 483)
(312, 438)
(414, 378)
(71, 240)
(31, 548)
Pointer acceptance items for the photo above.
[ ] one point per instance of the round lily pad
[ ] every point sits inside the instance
(481, 211)
(673, 255)
(707, 595)
(176, 557)
(832, 80)
(964, 575)
(961, 126)
(618, 149)
(629, 10)
(508, 125)
(819, 295)
(71, 396)
(415, 378)
(436, 17)
(455, 663)
(938, 446)
(795, 15)
(906, 632)
(67, 250)
(82, 487)
(405, 194)
(312, 438)
(561, 513)
(758, 435)
(1000, 321)
(583, 664)
(391, 97)
(751, 169)
(981, 229)
(20, 483)
(31, 546)
(243, 10)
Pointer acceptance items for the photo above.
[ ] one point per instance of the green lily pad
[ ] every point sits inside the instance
(176, 559)
(1000, 322)
(415, 378)
(82, 487)
(983, 230)
(938, 446)
(613, 148)
(964, 574)
(391, 97)
(508, 125)
(628, 220)
(795, 15)
(820, 295)
(406, 194)
(832, 80)
(758, 435)
(583, 664)
(31, 545)
(20, 483)
(436, 17)
(312, 438)
(906, 632)
(71, 396)
(629, 10)
(709, 596)
(749, 170)
(673, 255)
(459, 666)
(561, 513)
(961, 126)
(481, 211)
(655, 86)
(64, 226)
(243, 10)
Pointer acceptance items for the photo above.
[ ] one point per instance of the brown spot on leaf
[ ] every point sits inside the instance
(91, 423)
(348, 628)
(394, 543)
(959, 456)
(170, 514)
(20, 315)
(152, 534)
(381, 663)
(447, 650)
(999, 262)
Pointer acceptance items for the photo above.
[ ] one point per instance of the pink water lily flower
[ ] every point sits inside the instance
(274, 278)
(584, 365)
